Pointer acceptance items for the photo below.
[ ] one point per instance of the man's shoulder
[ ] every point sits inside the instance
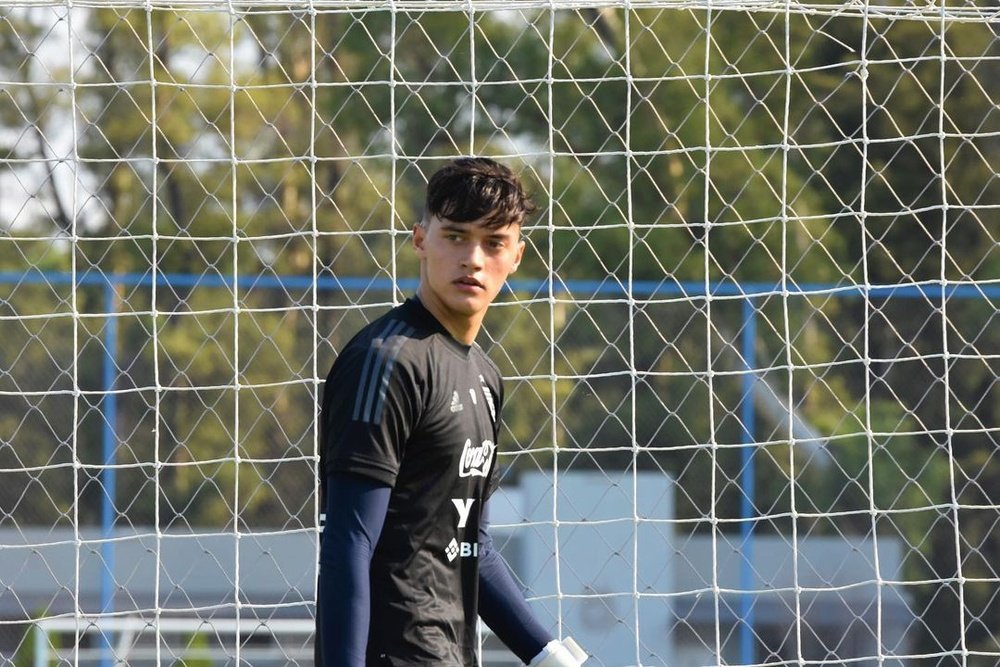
(400, 336)
(399, 323)
(486, 364)
(387, 357)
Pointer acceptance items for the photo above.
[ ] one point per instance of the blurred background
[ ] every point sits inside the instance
(750, 359)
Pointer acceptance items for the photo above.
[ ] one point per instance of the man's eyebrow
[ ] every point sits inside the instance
(463, 228)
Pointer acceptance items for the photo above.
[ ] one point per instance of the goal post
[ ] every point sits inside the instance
(189, 641)
(750, 358)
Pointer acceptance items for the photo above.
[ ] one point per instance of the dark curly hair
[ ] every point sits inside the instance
(477, 188)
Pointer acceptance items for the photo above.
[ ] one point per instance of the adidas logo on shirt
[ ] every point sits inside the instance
(456, 405)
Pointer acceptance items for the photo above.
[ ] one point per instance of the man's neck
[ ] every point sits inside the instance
(462, 329)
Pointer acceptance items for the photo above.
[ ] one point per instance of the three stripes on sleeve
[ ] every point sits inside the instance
(380, 359)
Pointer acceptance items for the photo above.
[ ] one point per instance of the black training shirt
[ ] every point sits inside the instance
(408, 405)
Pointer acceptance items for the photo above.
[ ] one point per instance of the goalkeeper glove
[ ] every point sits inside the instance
(565, 653)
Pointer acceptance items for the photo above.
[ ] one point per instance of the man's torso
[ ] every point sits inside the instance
(408, 405)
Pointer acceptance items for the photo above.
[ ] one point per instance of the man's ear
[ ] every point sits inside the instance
(419, 236)
(519, 256)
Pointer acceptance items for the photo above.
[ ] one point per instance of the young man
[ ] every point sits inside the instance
(409, 425)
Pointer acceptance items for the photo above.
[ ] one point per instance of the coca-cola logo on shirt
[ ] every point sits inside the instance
(476, 461)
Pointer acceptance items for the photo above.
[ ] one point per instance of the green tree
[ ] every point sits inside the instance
(667, 147)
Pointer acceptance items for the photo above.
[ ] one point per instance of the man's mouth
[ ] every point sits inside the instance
(470, 282)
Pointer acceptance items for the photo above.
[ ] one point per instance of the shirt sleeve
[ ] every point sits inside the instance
(371, 403)
(355, 514)
(502, 605)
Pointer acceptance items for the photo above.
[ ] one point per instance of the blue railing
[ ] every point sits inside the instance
(609, 288)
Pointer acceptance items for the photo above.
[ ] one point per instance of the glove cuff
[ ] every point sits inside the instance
(565, 653)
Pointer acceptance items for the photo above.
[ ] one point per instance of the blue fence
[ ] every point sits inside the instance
(749, 293)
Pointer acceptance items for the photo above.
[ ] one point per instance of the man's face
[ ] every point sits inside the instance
(464, 264)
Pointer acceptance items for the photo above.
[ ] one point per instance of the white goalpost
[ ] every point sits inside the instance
(750, 359)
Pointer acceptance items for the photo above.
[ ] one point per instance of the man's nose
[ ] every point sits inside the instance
(474, 256)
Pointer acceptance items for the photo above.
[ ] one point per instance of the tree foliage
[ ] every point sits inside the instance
(295, 144)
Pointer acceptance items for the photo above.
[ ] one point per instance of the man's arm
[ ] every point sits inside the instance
(501, 602)
(355, 512)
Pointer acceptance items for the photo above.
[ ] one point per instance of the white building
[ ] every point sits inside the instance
(623, 563)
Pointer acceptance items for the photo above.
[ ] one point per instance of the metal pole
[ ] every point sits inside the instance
(747, 484)
(41, 652)
(109, 481)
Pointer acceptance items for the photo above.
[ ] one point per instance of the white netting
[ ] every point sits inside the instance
(751, 358)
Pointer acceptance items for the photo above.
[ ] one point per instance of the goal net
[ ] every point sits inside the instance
(750, 358)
